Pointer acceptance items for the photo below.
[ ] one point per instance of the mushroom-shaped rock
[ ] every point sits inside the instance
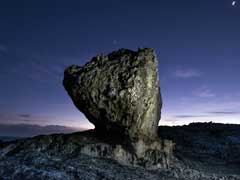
(120, 94)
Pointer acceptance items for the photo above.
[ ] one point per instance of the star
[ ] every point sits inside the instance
(233, 3)
(115, 41)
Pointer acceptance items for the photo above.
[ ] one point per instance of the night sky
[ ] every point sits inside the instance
(197, 43)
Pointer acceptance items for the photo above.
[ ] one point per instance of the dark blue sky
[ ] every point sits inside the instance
(197, 43)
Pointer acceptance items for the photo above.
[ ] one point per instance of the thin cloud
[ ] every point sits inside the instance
(28, 130)
(186, 73)
(190, 116)
(169, 120)
(209, 114)
(224, 112)
(24, 115)
(18, 118)
(203, 92)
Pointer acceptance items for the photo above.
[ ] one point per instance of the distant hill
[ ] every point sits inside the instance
(9, 138)
(13, 131)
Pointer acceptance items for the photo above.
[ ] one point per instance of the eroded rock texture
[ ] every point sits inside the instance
(120, 94)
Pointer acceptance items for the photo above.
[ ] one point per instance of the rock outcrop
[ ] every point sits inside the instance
(120, 94)
(80, 156)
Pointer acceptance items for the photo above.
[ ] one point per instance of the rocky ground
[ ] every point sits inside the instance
(202, 151)
(209, 147)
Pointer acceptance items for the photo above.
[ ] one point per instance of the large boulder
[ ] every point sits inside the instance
(120, 94)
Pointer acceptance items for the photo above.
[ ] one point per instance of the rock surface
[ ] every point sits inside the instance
(211, 144)
(120, 94)
(84, 156)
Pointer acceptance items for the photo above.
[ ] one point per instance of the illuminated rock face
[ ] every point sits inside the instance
(119, 93)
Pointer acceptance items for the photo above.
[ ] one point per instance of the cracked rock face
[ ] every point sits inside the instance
(119, 93)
